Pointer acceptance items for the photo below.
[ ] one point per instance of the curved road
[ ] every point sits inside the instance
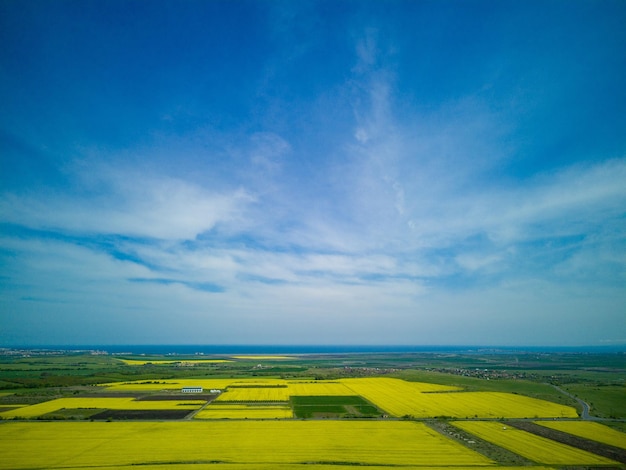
(585, 406)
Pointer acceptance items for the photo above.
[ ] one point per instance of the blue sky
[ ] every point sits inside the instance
(301, 172)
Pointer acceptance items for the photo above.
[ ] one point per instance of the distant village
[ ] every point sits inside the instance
(486, 374)
(31, 352)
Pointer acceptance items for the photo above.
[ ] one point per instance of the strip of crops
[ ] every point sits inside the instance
(40, 409)
(250, 394)
(297, 466)
(318, 388)
(538, 449)
(385, 383)
(50, 445)
(330, 400)
(245, 412)
(259, 383)
(589, 430)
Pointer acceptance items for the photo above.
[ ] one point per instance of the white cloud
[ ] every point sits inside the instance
(128, 203)
(476, 261)
(267, 149)
(234, 267)
(367, 51)
(577, 200)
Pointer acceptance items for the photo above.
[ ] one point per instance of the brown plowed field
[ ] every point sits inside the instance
(142, 414)
(177, 397)
(109, 395)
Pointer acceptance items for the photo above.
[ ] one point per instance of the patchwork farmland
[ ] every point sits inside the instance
(256, 422)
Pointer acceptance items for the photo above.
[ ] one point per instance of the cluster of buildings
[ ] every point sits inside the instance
(30, 352)
(487, 374)
(367, 371)
(198, 389)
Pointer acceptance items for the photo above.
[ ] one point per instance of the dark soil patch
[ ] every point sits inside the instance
(9, 408)
(605, 450)
(108, 395)
(142, 414)
(71, 413)
(325, 400)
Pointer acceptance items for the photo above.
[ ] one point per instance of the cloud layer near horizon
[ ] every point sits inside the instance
(358, 204)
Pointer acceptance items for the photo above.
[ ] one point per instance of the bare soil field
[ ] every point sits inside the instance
(177, 397)
(141, 414)
(110, 395)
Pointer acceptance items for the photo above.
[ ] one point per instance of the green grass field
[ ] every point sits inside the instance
(608, 401)
(333, 407)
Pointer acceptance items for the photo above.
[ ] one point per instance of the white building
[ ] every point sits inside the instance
(191, 390)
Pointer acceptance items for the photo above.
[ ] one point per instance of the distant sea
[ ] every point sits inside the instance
(186, 349)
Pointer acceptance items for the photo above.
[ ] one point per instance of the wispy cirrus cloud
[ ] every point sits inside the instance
(368, 181)
(127, 202)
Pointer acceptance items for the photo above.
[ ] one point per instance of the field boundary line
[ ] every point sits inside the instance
(193, 413)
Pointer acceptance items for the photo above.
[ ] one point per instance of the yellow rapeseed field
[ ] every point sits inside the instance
(319, 388)
(386, 385)
(247, 394)
(589, 430)
(297, 466)
(491, 405)
(396, 397)
(215, 411)
(258, 382)
(51, 445)
(51, 406)
(400, 398)
(535, 448)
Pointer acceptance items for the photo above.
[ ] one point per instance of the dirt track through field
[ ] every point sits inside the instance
(594, 447)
